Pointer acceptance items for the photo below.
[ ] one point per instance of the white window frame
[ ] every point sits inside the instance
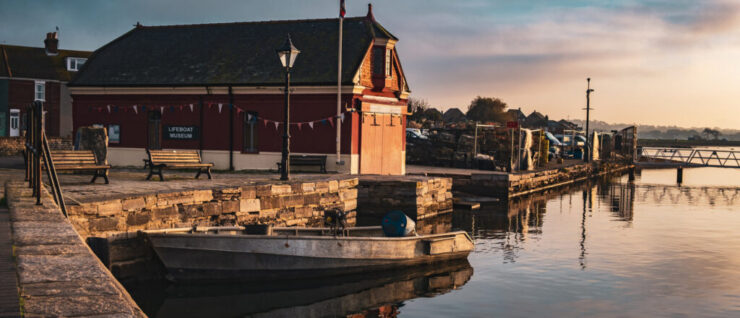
(36, 91)
(73, 63)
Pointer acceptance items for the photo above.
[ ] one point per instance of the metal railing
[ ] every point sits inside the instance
(37, 149)
(692, 157)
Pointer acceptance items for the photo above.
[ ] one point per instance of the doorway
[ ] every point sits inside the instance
(381, 145)
(154, 131)
(15, 122)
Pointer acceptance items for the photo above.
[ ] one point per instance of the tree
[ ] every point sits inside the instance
(417, 105)
(486, 109)
(711, 132)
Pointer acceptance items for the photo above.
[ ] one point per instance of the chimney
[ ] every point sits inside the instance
(51, 44)
(370, 12)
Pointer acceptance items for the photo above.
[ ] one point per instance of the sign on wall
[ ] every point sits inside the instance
(114, 134)
(181, 132)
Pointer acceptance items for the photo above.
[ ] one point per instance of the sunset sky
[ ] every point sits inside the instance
(674, 62)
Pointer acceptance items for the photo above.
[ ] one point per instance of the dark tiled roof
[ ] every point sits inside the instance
(32, 62)
(230, 54)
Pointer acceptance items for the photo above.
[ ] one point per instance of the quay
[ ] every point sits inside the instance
(505, 185)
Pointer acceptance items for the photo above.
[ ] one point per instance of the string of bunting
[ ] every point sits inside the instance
(327, 121)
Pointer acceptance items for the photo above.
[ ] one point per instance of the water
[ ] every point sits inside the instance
(609, 249)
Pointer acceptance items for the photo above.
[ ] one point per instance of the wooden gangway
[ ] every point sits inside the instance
(689, 157)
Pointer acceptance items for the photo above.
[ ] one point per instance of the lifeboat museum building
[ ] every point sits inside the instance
(218, 88)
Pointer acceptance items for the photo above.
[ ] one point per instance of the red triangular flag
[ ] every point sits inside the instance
(342, 10)
(331, 121)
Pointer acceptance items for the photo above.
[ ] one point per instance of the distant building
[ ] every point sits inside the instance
(516, 115)
(453, 115)
(28, 74)
(536, 120)
(174, 86)
(559, 126)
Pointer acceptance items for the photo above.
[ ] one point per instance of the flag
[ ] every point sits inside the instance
(299, 125)
(265, 122)
(172, 109)
(136, 110)
(161, 110)
(342, 10)
(108, 108)
(191, 108)
(276, 125)
(331, 121)
(310, 124)
(341, 117)
(219, 107)
(249, 117)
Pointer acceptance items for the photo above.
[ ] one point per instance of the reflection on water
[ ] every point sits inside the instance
(610, 248)
(372, 295)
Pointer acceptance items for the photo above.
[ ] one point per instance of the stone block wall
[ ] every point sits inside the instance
(418, 197)
(13, 146)
(279, 204)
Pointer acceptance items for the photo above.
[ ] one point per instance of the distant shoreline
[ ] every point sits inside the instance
(682, 143)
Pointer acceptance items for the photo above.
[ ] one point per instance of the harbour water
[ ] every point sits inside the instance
(609, 248)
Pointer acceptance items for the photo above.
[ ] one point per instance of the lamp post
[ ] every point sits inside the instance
(287, 55)
(587, 152)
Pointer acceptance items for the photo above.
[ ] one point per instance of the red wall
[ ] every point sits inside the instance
(215, 131)
(21, 94)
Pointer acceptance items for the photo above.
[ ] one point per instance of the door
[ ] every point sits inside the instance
(154, 131)
(15, 122)
(381, 144)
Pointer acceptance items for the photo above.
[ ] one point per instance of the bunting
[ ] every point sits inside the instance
(327, 121)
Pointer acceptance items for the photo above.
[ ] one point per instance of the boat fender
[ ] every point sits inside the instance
(397, 224)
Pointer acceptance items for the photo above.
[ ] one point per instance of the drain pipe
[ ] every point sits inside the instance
(231, 129)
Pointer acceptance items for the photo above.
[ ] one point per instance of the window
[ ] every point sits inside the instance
(75, 63)
(40, 91)
(378, 61)
(250, 132)
(387, 62)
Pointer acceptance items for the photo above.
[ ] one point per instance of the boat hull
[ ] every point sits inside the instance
(257, 257)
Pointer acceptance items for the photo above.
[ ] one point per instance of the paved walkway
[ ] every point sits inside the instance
(9, 306)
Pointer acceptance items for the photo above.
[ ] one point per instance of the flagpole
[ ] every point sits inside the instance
(339, 88)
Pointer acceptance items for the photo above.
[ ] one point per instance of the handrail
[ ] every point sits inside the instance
(37, 146)
(721, 158)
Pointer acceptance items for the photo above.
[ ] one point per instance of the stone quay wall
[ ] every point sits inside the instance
(13, 146)
(58, 274)
(280, 204)
(507, 185)
(419, 197)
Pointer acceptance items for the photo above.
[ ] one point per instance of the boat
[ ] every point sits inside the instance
(234, 253)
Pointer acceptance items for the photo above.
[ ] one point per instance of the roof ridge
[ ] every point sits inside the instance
(244, 22)
(40, 48)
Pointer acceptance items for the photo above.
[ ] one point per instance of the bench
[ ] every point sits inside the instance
(175, 159)
(306, 160)
(79, 160)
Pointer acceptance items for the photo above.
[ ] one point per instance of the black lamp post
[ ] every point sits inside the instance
(287, 55)
(587, 152)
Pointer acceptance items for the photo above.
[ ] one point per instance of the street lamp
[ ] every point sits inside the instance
(287, 55)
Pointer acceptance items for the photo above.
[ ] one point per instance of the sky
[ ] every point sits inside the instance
(672, 62)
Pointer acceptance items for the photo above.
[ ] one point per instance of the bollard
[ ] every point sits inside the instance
(679, 175)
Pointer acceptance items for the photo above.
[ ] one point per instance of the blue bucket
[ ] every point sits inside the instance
(397, 224)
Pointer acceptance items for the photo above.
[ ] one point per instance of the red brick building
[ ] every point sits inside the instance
(218, 88)
(28, 74)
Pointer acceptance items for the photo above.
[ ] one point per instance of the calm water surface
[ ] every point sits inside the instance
(609, 249)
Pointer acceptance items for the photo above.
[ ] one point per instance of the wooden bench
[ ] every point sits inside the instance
(175, 159)
(79, 160)
(306, 160)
